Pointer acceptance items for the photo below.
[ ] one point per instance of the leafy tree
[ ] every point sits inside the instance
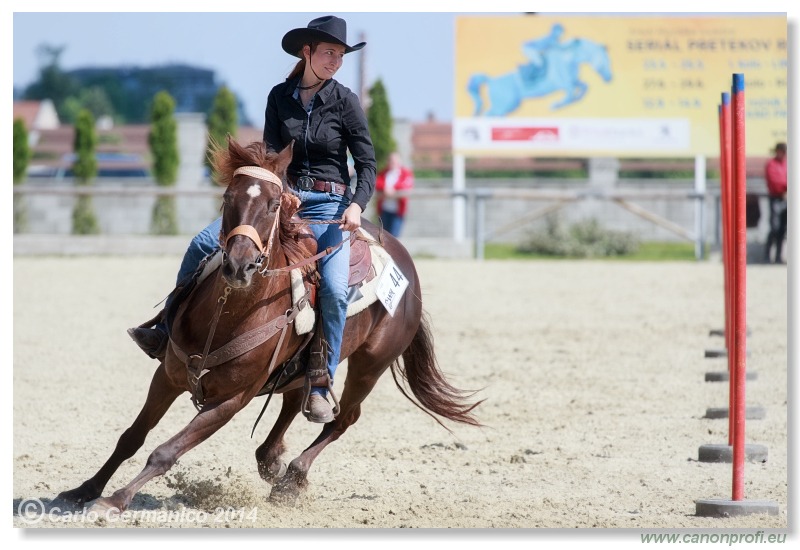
(94, 99)
(222, 120)
(84, 221)
(22, 155)
(379, 118)
(163, 141)
(53, 83)
(128, 90)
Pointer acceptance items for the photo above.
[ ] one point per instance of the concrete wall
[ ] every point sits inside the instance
(427, 217)
(126, 215)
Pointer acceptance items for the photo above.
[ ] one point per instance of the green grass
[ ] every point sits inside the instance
(648, 251)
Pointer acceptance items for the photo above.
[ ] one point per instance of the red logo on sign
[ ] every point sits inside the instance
(525, 134)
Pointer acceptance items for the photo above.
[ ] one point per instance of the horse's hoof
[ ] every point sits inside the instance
(78, 496)
(275, 470)
(103, 506)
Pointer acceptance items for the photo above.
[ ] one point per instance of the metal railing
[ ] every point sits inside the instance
(476, 197)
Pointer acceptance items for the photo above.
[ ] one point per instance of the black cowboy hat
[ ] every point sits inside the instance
(322, 29)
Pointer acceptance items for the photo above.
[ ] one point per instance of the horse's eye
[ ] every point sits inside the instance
(273, 206)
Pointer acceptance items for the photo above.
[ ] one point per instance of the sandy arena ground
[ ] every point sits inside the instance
(593, 375)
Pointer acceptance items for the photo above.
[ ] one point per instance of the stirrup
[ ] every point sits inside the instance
(316, 375)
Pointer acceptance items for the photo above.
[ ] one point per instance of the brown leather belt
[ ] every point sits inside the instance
(307, 183)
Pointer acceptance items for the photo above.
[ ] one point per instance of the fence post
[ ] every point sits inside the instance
(699, 207)
(459, 201)
(480, 221)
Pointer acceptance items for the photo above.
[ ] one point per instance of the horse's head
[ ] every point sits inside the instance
(599, 59)
(250, 208)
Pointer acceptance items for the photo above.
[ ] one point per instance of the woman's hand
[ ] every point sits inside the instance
(351, 219)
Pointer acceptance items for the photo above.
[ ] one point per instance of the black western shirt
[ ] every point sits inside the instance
(323, 135)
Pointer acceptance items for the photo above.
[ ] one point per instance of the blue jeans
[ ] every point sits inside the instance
(334, 268)
(777, 227)
(203, 244)
(392, 222)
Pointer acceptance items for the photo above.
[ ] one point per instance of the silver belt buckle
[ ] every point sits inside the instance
(306, 183)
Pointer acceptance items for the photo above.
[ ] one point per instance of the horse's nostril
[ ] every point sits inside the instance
(251, 267)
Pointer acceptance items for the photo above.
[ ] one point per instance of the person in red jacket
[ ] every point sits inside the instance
(392, 209)
(775, 174)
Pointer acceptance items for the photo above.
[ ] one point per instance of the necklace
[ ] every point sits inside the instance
(309, 87)
(319, 80)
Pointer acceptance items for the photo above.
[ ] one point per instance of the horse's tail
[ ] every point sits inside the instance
(474, 88)
(420, 371)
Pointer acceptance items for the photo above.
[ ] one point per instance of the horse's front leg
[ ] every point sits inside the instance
(208, 420)
(268, 454)
(161, 395)
(505, 95)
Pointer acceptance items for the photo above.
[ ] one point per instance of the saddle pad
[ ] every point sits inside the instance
(304, 322)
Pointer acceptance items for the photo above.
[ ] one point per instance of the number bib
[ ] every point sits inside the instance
(391, 285)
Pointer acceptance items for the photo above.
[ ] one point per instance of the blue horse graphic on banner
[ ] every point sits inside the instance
(553, 67)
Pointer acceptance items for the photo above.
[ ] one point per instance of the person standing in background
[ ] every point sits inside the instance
(775, 175)
(392, 209)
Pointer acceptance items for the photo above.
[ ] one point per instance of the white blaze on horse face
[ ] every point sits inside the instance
(254, 190)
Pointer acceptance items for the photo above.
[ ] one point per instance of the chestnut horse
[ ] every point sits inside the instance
(259, 237)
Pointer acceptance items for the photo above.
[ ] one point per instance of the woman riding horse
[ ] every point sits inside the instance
(234, 330)
(324, 119)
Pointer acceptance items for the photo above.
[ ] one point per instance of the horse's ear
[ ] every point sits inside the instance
(284, 158)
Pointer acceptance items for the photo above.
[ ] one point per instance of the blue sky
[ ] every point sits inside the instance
(244, 50)
(411, 51)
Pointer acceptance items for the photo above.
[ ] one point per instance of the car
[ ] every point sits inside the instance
(109, 165)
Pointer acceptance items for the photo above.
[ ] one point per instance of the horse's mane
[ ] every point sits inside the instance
(225, 161)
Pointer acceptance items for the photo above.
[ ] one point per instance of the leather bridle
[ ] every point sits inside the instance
(248, 230)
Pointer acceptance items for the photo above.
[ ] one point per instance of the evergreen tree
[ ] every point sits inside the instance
(379, 118)
(222, 120)
(22, 155)
(84, 221)
(163, 141)
(22, 151)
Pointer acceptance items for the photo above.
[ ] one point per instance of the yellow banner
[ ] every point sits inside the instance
(616, 85)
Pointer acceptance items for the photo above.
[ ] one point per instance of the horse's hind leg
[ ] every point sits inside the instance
(359, 382)
(268, 454)
(203, 425)
(160, 397)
